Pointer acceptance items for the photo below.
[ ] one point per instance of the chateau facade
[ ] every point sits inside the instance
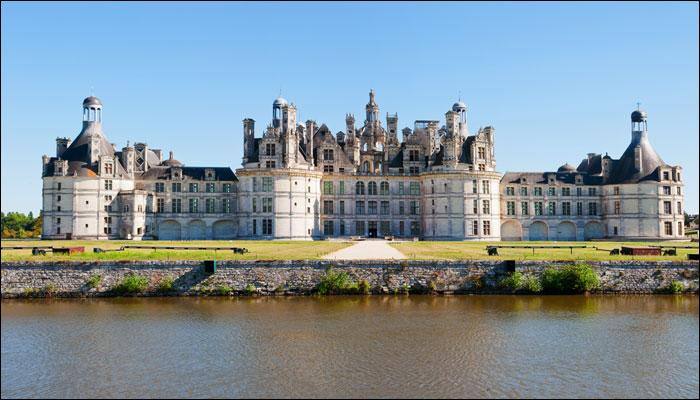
(302, 181)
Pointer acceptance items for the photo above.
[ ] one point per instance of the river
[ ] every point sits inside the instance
(374, 346)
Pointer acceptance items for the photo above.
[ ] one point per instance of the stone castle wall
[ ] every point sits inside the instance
(69, 279)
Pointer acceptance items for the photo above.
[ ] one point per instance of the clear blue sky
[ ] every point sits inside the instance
(555, 80)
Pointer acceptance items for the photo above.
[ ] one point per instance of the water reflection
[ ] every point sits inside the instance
(406, 346)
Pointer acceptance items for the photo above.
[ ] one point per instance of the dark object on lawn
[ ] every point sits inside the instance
(670, 252)
(69, 250)
(97, 250)
(640, 251)
(210, 266)
(492, 251)
(615, 252)
(38, 252)
(240, 250)
(694, 256)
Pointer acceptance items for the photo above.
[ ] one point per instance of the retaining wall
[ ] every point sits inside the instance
(69, 279)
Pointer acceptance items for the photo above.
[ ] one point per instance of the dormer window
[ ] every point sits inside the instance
(665, 175)
(270, 149)
(327, 155)
(108, 169)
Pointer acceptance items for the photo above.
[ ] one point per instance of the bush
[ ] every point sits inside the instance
(405, 289)
(131, 284)
(674, 287)
(531, 285)
(225, 290)
(249, 289)
(49, 290)
(335, 283)
(94, 281)
(364, 287)
(432, 287)
(512, 282)
(578, 278)
(165, 285)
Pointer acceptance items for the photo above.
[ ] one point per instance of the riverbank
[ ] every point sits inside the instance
(190, 278)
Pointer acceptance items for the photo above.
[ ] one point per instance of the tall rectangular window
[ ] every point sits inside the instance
(415, 228)
(667, 190)
(475, 227)
(616, 190)
(255, 187)
(579, 208)
(487, 228)
(481, 152)
(592, 209)
(176, 205)
(267, 184)
(565, 191)
(475, 206)
(475, 186)
(327, 155)
(668, 228)
(267, 227)
(552, 208)
(269, 149)
(371, 207)
(210, 205)
(510, 191)
(194, 187)
(226, 205)
(566, 208)
(485, 187)
(255, 204)
(176, 187)
(328, 207)
(226, 188)
(359, 207)
(194, 205)
(525, 210)
(384, 208)
(327, 187)
(523, 190)
(552, 191)
(538, 191)
(267, 204)
(415, 188)
(359, 227)
(591, 191)
(341, 187)
(510, 208)
(160, 205)
(328, 228)
(401, 188)
(680, 229)
(486, 207)
(579, 191)
(680, 208)
(414, 208)
(342, 228)
(678, 190)
(538, 208)
(402, 211)
(211, 187)
(401, 228)
(160, 187)
(341, 207)
(108, 184)
(617, 207)
(667, 207)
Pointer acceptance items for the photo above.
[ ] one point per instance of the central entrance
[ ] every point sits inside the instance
(372, 229)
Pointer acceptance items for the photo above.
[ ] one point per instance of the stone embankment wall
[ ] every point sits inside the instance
(70, 279)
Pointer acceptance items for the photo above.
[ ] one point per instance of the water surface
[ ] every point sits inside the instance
(380, 346)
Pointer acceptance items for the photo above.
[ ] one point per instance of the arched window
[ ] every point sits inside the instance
(365, 166)
(364, 147)
(372, 188)
(384, 188)
(380, 146)
(379, 168)
(360, 188)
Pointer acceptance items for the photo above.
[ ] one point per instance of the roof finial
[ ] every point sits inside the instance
(280, 92)
(460, 96)
(92, 90)
(638, 104)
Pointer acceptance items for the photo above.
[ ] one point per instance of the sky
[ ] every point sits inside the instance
(556, 81)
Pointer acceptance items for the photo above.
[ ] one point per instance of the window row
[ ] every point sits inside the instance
(176, 187)
(210, 206)
(565, 208)
(551, 191)
(370, 228)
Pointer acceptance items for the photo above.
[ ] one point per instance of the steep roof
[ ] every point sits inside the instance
(624, 170)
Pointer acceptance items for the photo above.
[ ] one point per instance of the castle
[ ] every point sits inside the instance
(302, 181)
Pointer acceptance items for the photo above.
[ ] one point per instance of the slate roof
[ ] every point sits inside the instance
(624, 171)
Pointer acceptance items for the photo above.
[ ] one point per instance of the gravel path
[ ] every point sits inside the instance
(367, 250)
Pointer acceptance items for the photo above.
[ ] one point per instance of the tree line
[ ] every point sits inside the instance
(17, 225)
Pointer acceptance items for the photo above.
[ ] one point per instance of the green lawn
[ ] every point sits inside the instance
(477, 250)
(258, 250)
